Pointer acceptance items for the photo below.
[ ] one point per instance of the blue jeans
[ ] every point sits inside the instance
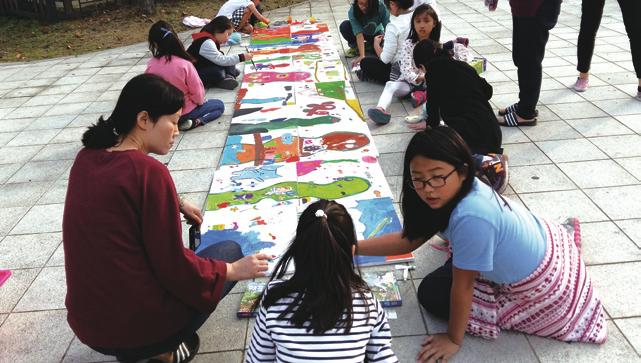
(208, 111)
(228, 251)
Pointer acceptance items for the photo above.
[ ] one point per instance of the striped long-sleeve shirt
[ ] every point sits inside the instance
(278, 340)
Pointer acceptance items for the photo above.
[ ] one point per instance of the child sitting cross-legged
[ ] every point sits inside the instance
(325, 311)
(215, 68)
(171, 62)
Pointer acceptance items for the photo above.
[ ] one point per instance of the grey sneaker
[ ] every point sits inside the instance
(185, 125)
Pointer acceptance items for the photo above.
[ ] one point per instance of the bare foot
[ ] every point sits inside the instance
(420, 126)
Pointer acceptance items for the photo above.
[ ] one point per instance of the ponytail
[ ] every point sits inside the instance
(145, 92)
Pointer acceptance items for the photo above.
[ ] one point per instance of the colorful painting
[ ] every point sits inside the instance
(297, 135)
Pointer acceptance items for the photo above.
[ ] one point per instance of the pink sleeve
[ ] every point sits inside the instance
(194, 85)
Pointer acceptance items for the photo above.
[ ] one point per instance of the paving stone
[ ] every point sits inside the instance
(235, 356)
(66, 151)
(559, 206)
(539, 178)
(56, 193)
(40, 219)
(615, 349)
(202, 140)
(392, 142)
(21, 194)
(619, 287)
(7, 170)
(631, 328)
(195, 159)
(618, 202)
(41, 336)
(195, 180)
(31, 250)
(40, 171)
(525, 154)
(576, 110)
(47, 291)
(80, 353)
(597, 173)
(50, 122)
(223, 331)
(33, 137)
(600, 126)
(15, 286)
(604, 242)
(570, 150)
(632, 228)
(58, 257)
(9, 217)
(619, 146)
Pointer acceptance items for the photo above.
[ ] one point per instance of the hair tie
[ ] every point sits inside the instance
(167, 32)
(319, 213)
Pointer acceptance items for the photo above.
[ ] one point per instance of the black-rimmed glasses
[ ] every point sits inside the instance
(438, 181)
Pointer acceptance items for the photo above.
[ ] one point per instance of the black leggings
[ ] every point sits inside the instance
(227, 251)
(373, 69)
(591, 13)
(434, 291)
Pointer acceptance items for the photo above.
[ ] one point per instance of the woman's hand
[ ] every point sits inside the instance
(438, 347)
(192, 214)
(248, 56)
(357, 61)
(248, 267)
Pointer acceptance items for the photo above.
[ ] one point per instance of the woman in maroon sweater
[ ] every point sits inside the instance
(133, 289)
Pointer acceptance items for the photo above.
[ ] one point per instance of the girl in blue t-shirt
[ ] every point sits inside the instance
(507, 265)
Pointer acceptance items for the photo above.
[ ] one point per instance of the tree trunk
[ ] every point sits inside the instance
(148, 7)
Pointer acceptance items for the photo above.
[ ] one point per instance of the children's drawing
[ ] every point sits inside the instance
(297, 134)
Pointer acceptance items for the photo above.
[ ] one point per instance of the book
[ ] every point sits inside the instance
(385, 288)
(252, 293)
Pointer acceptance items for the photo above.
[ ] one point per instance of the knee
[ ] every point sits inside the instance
(345, 26)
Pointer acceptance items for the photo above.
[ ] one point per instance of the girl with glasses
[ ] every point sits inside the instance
(506, 264)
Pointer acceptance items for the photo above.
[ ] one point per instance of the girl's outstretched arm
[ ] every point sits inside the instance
(390, 244)
(444, 346)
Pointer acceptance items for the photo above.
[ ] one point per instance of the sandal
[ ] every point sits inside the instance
(511, 120)
(185, 352)
(512, 109)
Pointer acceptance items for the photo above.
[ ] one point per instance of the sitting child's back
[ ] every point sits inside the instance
(276, 337)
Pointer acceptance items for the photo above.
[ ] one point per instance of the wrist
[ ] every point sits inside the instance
(454, 340)
(231, 274)
(181, 201)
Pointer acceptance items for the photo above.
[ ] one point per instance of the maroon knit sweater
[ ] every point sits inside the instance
(130, 281)
(525, 7)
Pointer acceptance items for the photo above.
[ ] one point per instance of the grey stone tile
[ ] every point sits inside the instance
(30, 112)
(7, 170)
(86, 119)
(33, 137)
(195, 159)
(509, 347)
(615, 349)
(80, 353)
(59, 89)
(597, 173)
(56, 193)
(67, 108)
(21, 194)
(18, 154)
(604, 242)
(42, 100)
(570, 150)
(599, 126)
(6, 137)
(619, 287)
(513, 135)
(202, 140)
(41, 219)
(396, 126)
(627, 106)
(553, 130)
(406, 324)
(632, 165)
(105, 107)
(631, 328)
(576, 110)
(538, 178)
(13, 125)
(391, 163)
(9, 217)
(41, 336)
(632, 228)
(15, 286)
(81, 97)
(3, 317)
(618, 202)
(69, 134)
(223, 331)
(196, 180)
(58, 257)
(558, 206)
(235, 356)
(556, 95)
(40, 171)
(47, 292)
(13, 102)
(619, 146)
(525, 154)
(50, 122)
(29, 250)
(631, 121)
(66, 151)
(603, 93)
(392, 142)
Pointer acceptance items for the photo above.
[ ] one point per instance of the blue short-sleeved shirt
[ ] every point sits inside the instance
(504, 245)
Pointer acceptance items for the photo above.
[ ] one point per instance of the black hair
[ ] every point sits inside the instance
(444, 144)
(372, 10)
(219, 24)
(324, 280)
(145, 92)
(163, 41)
(435, 34)
(403, 4)
(427, 50)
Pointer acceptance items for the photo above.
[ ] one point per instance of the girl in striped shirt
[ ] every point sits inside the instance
(325, 311)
